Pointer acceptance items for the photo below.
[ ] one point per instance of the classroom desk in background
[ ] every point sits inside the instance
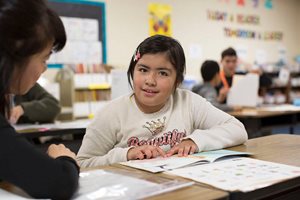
(281, 148)
(69, 133)
(259, 121)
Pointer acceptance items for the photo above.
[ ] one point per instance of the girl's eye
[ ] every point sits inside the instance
(163, 73)
(142, 70)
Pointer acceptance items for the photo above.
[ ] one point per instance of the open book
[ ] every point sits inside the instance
(164, 164)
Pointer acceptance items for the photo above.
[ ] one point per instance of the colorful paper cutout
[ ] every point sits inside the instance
(160, 19)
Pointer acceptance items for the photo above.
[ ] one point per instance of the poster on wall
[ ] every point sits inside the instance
(160, 19)
(82, 45)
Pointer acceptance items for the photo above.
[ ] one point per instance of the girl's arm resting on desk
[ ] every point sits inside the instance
(215, 129)
(98, 149)
(117, 154)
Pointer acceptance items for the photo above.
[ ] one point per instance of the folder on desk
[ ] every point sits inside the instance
(244, 90)
(103, 184)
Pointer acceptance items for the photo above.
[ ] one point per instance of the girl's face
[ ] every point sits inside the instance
(154, 80)
(25, 79)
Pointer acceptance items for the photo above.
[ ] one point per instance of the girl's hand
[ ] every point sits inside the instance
(184, 148)
(55, 151)
(144, 152)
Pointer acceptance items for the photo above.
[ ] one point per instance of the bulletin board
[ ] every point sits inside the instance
(84, 9)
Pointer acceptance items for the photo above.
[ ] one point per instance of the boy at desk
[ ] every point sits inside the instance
(229, 62)
(37, 105)
(211, 78)
(157, 118)
(30, 32)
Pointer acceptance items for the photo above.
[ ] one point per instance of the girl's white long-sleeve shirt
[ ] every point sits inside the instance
(121, 124)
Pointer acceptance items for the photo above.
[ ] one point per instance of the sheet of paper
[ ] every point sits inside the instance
(239, 174)
(119, 83)
(82, 123)
(244, 86)
(90, 30)
(83, 45)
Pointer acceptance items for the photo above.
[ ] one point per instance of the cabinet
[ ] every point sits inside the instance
(87, 91)
(92, 87)
(281, 92)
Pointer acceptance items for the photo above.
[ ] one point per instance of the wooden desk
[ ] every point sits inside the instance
(281, 148)
(259, 120)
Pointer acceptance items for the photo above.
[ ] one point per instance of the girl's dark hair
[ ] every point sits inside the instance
(26, 27)
(160, 44)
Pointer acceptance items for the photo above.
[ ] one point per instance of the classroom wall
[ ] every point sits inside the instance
(127, 26)
(298, 27)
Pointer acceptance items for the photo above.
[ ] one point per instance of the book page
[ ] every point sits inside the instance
(239, 174)
(163, 164)
(160, 164)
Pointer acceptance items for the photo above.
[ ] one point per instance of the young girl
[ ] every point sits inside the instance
(157, 119)
(30, 31)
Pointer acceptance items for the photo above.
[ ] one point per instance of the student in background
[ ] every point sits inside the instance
(158, 118)
(37, 105)
(229, 62)
(30, 31)
(211, 78)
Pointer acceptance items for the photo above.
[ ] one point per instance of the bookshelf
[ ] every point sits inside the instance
(279, 92)
(92, 88)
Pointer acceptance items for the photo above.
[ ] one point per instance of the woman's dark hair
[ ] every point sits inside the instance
(209, 69)
(26, 27)
(160, 44)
